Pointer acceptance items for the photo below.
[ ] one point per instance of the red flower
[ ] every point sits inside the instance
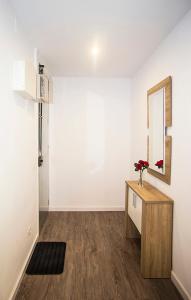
(159, 164)
(141, 162)
(141, 165)
(138, 166)
(146, 164)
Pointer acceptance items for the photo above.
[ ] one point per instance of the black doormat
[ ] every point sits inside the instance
(48, 258)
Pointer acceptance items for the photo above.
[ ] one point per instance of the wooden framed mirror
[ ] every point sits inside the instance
(159, 118)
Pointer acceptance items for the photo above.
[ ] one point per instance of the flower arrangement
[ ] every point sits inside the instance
(140, 167)
(159, 164)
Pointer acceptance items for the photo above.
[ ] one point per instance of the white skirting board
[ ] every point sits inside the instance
(86, 208)
(180, 287)
(21, 275)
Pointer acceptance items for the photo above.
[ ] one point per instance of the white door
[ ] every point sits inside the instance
(43, 157)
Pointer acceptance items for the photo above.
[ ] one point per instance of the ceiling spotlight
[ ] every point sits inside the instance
(95, 51)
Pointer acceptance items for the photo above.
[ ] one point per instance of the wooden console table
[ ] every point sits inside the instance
(149, 215)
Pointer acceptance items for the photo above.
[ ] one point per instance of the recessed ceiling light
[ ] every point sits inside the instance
(95, 51)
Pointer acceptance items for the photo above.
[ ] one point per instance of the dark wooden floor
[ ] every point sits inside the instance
(42, 218)
(99, 264)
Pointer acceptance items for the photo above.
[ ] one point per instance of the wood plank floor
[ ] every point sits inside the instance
(99, 264)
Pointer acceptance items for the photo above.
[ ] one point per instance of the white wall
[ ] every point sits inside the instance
(18, 167)
(173, 57)
(89, 143)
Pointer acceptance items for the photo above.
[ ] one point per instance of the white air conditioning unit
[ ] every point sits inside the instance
(24, 79)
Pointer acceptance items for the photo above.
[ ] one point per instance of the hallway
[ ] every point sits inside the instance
(99, 263)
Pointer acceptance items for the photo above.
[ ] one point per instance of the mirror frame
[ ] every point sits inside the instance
(167, 85)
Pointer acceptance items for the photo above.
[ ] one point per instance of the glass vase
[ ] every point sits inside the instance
(140, 182)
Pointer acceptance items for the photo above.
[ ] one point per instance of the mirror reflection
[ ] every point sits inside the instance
(156, 103)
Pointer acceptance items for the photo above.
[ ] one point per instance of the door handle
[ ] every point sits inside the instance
(40, 160)
(134, 200)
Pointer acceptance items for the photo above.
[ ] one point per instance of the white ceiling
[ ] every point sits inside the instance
(125, 31)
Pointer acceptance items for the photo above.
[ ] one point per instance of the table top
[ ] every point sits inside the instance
(149, 193)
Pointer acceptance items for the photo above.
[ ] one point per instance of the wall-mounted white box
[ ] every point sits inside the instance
(24, 79)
